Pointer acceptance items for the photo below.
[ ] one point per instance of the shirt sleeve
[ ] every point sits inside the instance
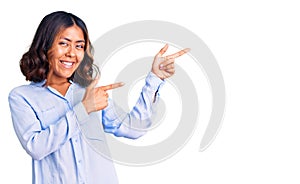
(36, 140)
(133, 124)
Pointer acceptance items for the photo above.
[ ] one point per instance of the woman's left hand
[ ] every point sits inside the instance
(163, 66)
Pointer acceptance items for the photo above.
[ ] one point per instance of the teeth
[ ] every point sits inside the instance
(67, 63)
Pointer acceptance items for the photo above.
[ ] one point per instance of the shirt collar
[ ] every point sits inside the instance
(43, 82)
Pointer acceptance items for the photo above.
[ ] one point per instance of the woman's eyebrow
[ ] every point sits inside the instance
(78, 41)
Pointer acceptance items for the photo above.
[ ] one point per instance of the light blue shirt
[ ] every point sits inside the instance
(64, 141)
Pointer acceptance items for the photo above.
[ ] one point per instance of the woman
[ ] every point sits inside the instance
(51, 113)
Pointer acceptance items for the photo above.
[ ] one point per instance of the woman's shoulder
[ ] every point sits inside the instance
(32, 87)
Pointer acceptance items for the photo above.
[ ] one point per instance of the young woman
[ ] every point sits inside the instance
(50, 114)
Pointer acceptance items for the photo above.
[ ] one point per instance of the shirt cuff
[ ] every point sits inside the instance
(154, 82)
(80, 113)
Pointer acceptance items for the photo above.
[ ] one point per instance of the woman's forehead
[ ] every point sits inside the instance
(73, 33)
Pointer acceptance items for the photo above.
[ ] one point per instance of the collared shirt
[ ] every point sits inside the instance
(64, 141)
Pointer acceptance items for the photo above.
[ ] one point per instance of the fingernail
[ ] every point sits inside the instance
(161, 66)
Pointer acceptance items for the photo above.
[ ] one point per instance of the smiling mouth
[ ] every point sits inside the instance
(67, 64)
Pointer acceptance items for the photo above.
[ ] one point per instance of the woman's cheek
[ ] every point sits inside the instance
(80, 57)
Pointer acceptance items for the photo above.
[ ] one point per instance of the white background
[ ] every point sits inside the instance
(256, 44)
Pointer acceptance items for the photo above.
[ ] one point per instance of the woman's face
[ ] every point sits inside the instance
(66, 53)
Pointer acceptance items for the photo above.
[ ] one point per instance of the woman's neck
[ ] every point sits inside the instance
(61, 86)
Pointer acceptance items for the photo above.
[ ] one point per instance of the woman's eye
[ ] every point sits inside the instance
(80, 46)
(63, 44)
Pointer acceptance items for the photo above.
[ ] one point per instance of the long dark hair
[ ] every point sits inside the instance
(34, 63)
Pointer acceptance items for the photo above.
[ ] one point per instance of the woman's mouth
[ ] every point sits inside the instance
(67, 64)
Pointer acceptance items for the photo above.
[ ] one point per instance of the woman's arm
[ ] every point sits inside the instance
(135, 123)
(36, 140)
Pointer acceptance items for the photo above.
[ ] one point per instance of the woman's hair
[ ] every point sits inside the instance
(34, 63)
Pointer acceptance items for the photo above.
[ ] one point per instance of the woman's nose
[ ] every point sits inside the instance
(71, 52)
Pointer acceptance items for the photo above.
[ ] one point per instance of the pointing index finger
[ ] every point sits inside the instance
(177, 54)
(112, 86)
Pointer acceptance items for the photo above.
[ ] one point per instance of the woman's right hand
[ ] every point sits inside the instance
(96, 98)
